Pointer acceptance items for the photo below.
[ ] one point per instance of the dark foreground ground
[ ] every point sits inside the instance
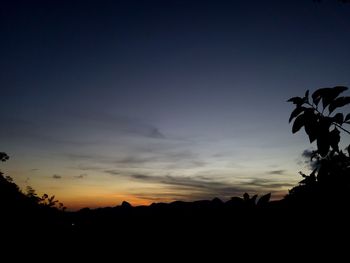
(179, 229)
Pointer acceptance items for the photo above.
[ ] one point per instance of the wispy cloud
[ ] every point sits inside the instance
(88, 167)
(277, 172)
(155, 133)
(268, 184)
(202, 187)
(81, 176)
(165, 158)
(77, 129)
(119, 124)
(56, 176)
(31, 131)
(113, 172)
(175, 157)
(307, 155)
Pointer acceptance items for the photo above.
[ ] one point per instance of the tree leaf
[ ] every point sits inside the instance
(296, 100)
(328, 96)
(319, 94)
(323, 139)
(306, 97)
(347, 117)
(334, 138)
(339, 102)
(298, 123)
(296, 112)
(340, 89)
(332, 94)
(311, 124)
(338, 118)
(311, 131)
(323, 145)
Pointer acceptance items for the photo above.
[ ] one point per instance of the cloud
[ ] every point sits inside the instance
(277, 172)
(307, 155)
(76, 129)
(82, 157)
(80, 176)
(113, 172)
(164, 158)
(201, 188)
(87, 167)
(56, 176)
(136, 159)
(194, 183)
(142, 177)
(169, 196)
(119, 124)
(155, 133)
(31, 131)
(268, 184)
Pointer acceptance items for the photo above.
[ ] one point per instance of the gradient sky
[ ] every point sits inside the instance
(149, 101)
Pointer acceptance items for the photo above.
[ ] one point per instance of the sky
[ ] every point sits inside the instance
(156, 101)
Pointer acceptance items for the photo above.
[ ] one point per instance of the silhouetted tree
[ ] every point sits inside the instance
(3, 156)
(331, 177)
(12, 196)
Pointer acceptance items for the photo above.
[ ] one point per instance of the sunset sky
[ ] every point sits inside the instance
(155, 101)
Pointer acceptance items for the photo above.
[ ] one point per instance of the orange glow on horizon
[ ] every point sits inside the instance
(108, 201)
(75, 204)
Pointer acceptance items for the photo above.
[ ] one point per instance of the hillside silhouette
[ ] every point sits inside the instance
(317, 206)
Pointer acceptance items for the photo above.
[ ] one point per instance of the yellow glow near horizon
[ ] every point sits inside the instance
(149, 183)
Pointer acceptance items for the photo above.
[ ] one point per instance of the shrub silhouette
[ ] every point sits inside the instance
(3, 156)
(330, 179)
(14, 201)
(251, 201)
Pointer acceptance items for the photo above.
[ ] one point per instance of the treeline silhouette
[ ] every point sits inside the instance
(317, 206)
(24, 211)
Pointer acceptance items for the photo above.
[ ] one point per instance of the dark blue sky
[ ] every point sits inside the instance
(162, 100)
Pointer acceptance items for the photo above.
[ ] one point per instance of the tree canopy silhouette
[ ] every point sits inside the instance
(323, 123)
(12, 198)
(3, 156)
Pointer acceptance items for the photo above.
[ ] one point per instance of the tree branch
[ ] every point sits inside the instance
(336, 124)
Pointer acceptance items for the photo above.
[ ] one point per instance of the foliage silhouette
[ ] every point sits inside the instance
(26, 210)
(331, 177)
(45, 200)
(3, 156)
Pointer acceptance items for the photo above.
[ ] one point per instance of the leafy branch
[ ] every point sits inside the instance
(322, 120)
(3, 157)
(320, 126)
(346, 120)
